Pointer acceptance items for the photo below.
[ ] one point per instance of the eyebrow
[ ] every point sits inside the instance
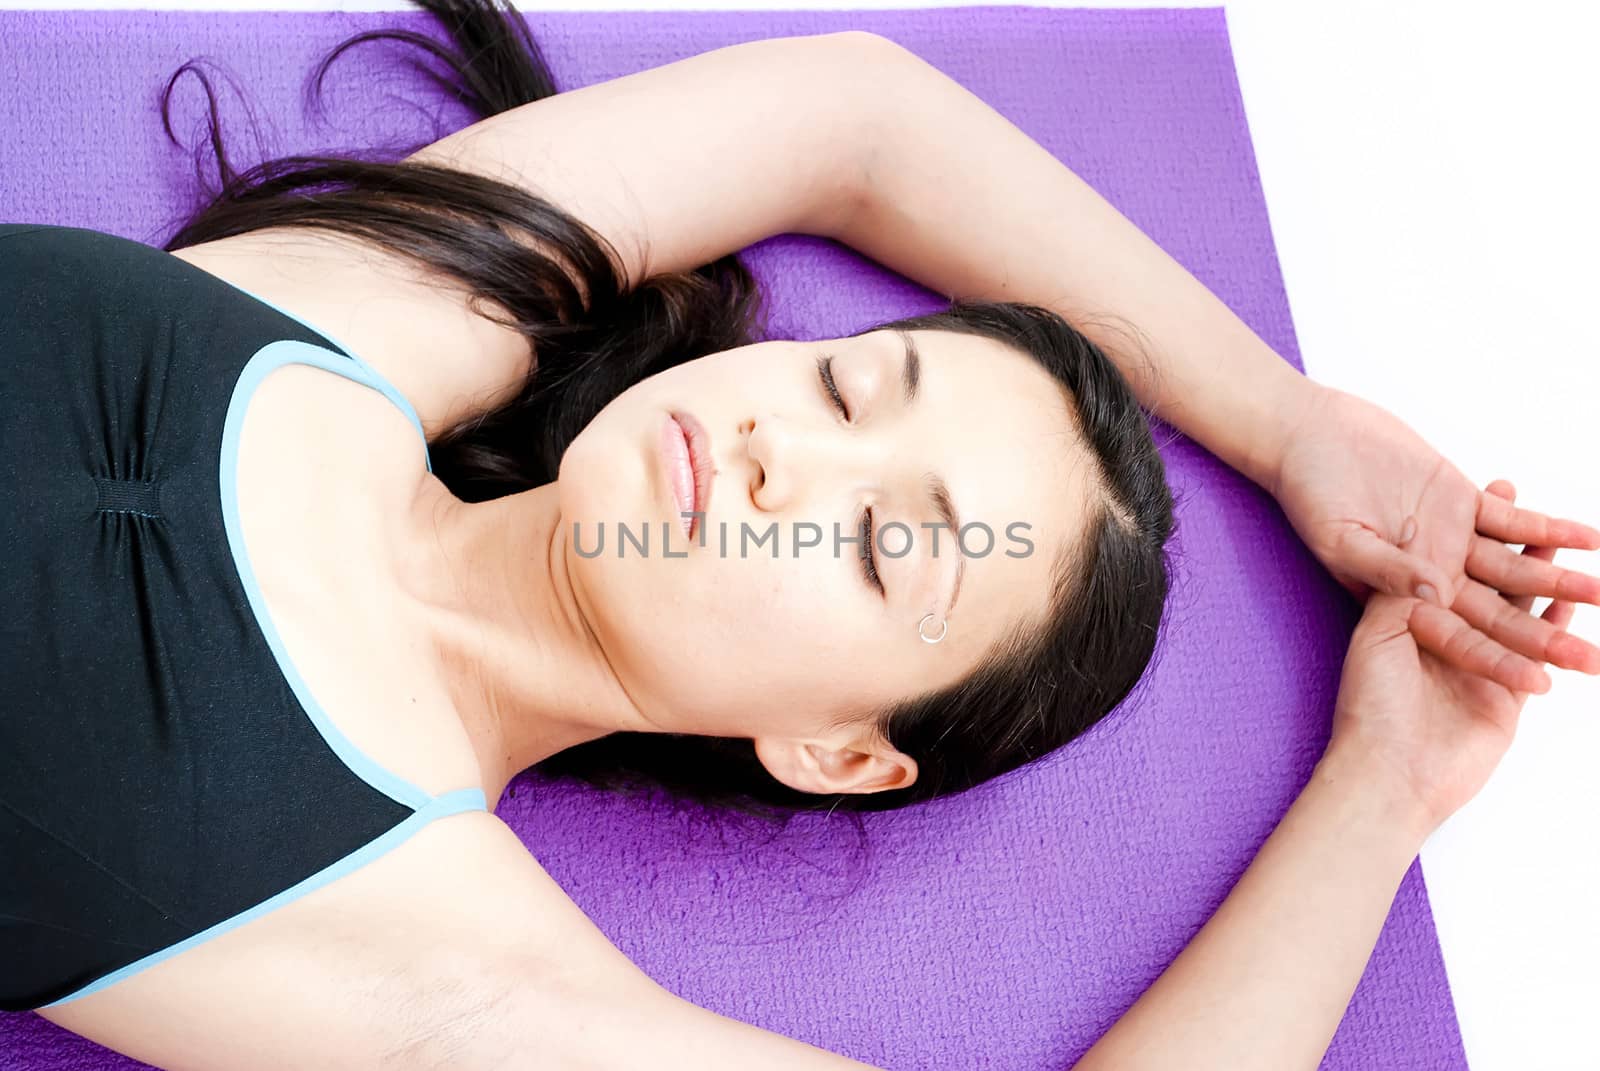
(913, 369)
(938, 492)
(939, 495)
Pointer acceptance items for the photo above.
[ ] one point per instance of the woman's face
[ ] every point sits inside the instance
(761, 624)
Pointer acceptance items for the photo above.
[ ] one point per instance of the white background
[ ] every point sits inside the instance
(1433, 180)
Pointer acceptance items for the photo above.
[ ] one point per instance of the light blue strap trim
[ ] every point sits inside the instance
(270, 357)
(372, 378)
(458, 800)
(465, 799)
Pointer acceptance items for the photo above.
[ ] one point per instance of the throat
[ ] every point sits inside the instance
(493, 598)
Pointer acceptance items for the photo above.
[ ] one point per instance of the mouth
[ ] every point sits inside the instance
(685, 449)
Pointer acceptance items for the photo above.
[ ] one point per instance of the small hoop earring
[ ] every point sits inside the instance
(944, 626)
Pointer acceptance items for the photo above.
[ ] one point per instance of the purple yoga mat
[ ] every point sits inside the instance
(1007, 928)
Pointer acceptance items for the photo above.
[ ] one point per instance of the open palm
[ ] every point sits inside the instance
(1440, 729)
(1386, 512)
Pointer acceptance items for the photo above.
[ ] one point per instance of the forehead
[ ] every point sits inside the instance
(1001, 432)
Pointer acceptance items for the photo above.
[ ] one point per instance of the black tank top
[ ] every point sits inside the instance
(165, 775)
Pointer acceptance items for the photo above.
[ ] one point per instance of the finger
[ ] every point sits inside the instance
(1517, 630)
(1525, 602)
(1387, 568)
(1499, 519)
(1451, 638)
(1559, 613)
(1506, 490)
(1502, 488)
(1528, 573)
(1525, 576)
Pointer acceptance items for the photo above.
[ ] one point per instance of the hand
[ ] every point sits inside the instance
(1383, 511)
(1422, 725)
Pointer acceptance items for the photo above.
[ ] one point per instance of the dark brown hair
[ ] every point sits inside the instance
(594, 333)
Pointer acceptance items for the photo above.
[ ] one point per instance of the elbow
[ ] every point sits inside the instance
(864, 44)
(873, 83)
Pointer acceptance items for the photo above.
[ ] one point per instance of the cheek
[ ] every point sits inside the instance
(796, 621)
(728, 631)
(787, 595)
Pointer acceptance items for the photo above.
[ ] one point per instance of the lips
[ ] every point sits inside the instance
(686, 453)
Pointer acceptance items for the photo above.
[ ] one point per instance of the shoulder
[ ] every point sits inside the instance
(415, 957)
(411, 324)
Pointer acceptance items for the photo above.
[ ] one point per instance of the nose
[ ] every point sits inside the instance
(767, 443)
(792, 456)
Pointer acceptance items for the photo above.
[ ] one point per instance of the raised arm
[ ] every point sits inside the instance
(961, 200)
(1263, 984)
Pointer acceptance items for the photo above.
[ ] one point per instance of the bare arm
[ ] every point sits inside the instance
(631, 1026)
(961, 200)
(1266, 981)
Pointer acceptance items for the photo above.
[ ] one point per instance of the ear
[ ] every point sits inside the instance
(824, 767)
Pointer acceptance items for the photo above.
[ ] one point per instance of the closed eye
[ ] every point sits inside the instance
(869, 560)
(825, 373)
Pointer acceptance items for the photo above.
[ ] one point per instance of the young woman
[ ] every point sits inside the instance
(285, 634)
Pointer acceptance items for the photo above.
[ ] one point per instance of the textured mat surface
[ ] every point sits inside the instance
(1004, 929)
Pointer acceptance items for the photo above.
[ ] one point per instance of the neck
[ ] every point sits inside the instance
(495, 600)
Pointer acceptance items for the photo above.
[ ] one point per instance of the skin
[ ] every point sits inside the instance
(931, 182)
(544, 648)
